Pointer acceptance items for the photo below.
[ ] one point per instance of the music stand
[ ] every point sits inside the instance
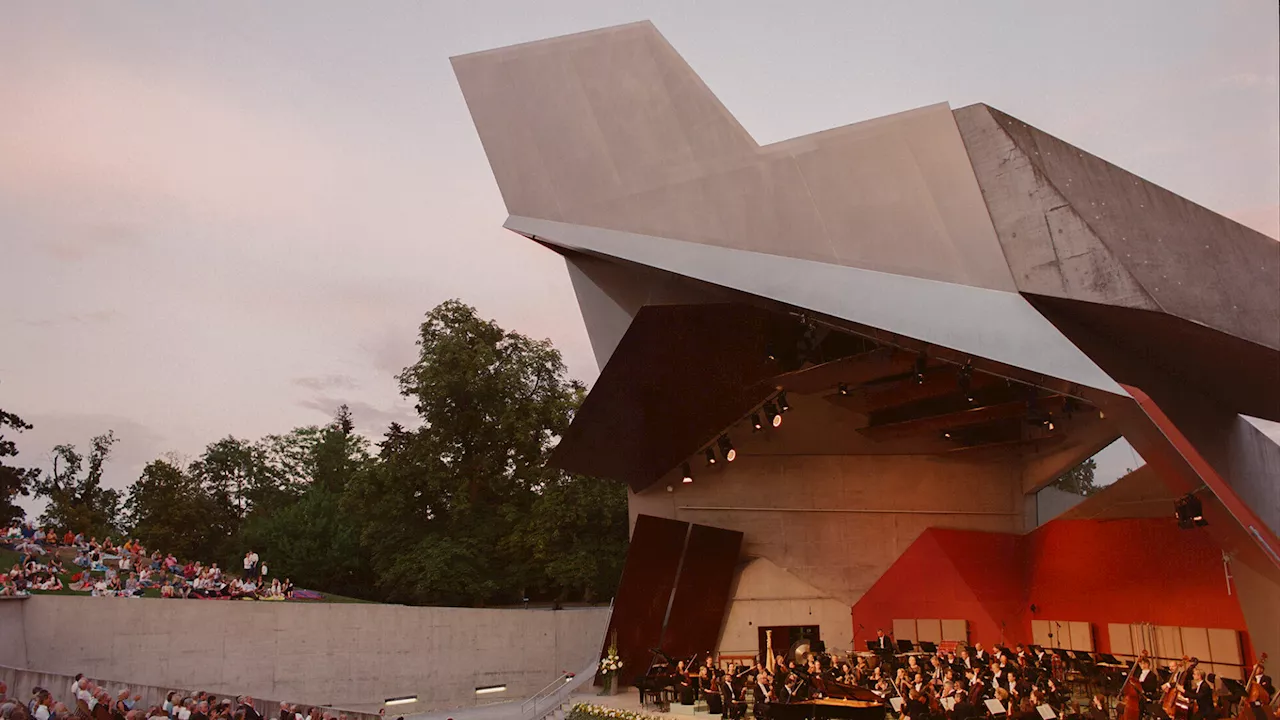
(928, 647)
(905, 646)
(1109, 659)
(871, 646)
(1234, 687)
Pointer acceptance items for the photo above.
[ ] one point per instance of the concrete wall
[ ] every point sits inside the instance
(835, 521)
(13, 647)
(764, 594)
(345, 655)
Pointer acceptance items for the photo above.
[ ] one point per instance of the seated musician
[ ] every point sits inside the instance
(1201, 694)
(710, 684)
(795, 690)
(684, 685)
(735, 707)
(981, 655)
(1098, 708)
(967, 661)
(1044, 660)
(915, 708)
(761, 691)
(964, 708)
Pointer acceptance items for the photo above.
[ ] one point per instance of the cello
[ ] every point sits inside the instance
(1131, 693)
(1256, 702)
(1175, 703)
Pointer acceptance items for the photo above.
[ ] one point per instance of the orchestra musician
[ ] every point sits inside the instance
(761, 696)
(982, 656)
(1098, 708)
(883, 643)
(1201, 694)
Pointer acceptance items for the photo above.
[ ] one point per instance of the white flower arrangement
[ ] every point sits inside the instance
(585, 711)
(611, 663)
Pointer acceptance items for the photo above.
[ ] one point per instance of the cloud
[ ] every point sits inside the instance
(1264, 218)
(93, 317)
(1248, 80)
(136, 446)
(327, 382)
(96, 239)
(369, 420)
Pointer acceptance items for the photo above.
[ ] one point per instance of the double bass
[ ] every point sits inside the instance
(1131, 693)
(1175, 703)
(1256, 704)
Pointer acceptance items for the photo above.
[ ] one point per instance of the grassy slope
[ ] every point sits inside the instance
(9, 558)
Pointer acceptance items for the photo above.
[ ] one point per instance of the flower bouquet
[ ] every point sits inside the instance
(610, 666)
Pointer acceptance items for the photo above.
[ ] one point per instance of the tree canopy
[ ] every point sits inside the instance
(461, 509)
(14, 481)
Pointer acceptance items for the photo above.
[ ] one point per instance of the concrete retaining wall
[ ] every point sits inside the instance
(350, 656)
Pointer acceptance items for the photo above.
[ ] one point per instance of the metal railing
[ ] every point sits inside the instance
(545, 701)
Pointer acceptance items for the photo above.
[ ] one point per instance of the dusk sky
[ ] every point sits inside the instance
(229, 217)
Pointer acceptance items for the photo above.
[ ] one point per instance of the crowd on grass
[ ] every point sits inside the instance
(84, 699)
(104, 569)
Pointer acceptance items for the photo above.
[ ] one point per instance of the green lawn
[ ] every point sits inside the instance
(9, 558)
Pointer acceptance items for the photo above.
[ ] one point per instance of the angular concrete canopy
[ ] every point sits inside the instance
(965, 238)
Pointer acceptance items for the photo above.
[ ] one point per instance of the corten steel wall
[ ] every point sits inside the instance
(346, 655)
(653, 558)
(702, 592)
(1100, 571)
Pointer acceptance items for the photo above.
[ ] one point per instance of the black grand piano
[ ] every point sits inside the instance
(847, 702)
(658, 684)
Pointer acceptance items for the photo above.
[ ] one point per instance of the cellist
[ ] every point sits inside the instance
(1201, 695)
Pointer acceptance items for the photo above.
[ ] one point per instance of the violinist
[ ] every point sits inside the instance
(964, 708)
(734, 704)
(915, 707)
(1055, 696)
(1201, 694)
(711, 689)
(761, 696)
(1044, 661)
(1098, 708)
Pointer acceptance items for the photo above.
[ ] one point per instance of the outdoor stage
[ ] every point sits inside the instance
(839, 371)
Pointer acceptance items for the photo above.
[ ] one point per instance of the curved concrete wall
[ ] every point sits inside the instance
(351, 656)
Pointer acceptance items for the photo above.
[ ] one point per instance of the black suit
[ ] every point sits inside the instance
(760, 701)
(1203, 697)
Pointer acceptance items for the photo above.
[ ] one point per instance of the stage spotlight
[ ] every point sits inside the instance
(1190, 512)
(769, 354)
(755, 422)
(783, 405)
(771, 412)
(726, 449)
(687, 477)
(842, 389)
(711, 456)
(947, 435)
(1048, 423)
(921, 363)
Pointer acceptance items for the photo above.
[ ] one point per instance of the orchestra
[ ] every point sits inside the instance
(955, 682)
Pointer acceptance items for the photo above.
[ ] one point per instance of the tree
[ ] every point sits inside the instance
(1079, 479)
(80, 503)
(578, 533)
(169, 511)
(445, 503)
(311, 540)
(14, 481)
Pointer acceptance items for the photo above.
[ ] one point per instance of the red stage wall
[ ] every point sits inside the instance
(977, 576)
(1125, 571)
(1099, 571)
